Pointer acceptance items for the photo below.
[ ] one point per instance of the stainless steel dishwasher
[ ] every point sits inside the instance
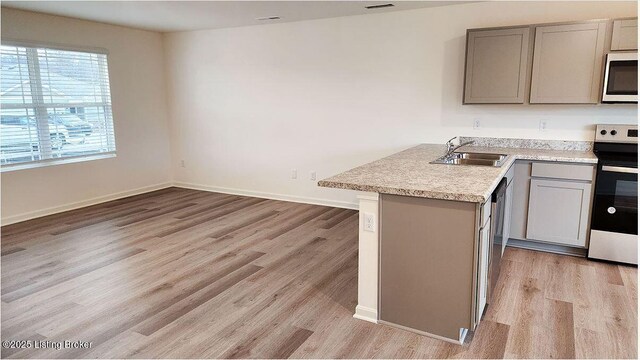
(498, 201)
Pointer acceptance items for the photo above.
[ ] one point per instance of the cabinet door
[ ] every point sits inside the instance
(520, 200)
(559, 211)
(567, 63)
(483, 270)
(508, 206)
(427, 251)
(496, 66)
(625, 35)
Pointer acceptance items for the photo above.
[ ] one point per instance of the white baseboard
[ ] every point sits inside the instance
(366, 314)
(72, 206)
(272, 196)
(460, 341)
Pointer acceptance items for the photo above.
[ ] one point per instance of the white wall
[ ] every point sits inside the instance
(250, 104)
(136, 69)
(247, 105)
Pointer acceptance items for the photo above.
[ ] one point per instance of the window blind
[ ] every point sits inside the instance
(54, 105)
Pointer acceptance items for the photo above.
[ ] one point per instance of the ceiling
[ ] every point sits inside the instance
(169, 16)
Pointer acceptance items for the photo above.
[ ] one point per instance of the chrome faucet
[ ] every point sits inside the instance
(452, 148)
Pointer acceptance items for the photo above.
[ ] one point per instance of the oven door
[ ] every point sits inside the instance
(615, 206)
(621, 78)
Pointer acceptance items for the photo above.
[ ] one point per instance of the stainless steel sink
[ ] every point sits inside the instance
(465, 158)
(480, 156)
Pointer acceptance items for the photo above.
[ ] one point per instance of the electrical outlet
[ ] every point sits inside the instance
(543, 125)
(369, 222)
(181, 163)
(312, 176)
(294, 174)
(476, 123)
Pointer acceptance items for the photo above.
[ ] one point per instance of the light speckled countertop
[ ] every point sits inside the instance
(409, 172)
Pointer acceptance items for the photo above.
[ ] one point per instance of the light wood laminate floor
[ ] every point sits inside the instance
(188, 274)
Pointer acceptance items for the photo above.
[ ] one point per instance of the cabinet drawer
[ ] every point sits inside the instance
(562, 171)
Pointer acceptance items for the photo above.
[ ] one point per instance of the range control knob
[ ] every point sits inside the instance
(613, 132)
(603, 132)
(611, 210)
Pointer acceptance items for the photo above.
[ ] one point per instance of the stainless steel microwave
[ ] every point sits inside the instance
(621, 78)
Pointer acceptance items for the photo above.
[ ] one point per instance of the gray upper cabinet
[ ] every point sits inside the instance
(567, 63)
(625, 35)
(496, 68)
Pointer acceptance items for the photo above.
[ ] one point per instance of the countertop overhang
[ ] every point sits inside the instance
(410, 173)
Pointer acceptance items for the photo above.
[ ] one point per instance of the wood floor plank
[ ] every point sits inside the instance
(299, 222)
(116, 347)
(489, 339)
(621, 343)
(151, 213)
(170, 314)
(504, 300)
(589, 344)
(559, 273)
(526, 331)
(180, 273)
(132, 316)
(221, 211)
(337, 219)
(559, 342)
(273, 299)
(242, 224)
(209, 206)
(630, 280)
(608, 272)
(12, 251)
(97, 220)
(291, 344)
(41, 316)
(20, 291)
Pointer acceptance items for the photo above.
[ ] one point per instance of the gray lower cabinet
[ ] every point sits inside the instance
(567, 63)
(496, 68)
(551, 202)
(625, 35)
(428, 264)
(483, 269)
(520, 201)
(508, 209)
(559, 211)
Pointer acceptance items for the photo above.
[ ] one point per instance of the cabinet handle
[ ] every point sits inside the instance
(620, 169)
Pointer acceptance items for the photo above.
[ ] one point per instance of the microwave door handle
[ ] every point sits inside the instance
(620, 169)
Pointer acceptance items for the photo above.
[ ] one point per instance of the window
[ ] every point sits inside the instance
(55, 106)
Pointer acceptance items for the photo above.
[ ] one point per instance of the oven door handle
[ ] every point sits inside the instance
(620, 169)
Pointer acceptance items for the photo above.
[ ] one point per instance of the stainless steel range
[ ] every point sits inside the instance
(614, 222)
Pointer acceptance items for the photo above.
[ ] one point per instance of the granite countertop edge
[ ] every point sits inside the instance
(489, 180)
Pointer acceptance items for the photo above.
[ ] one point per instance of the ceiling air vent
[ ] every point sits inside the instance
(268, 18)
(379, 6)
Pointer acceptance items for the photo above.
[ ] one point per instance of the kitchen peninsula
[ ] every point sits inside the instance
(424, 233)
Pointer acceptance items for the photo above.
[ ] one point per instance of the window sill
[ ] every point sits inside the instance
(50, 162)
